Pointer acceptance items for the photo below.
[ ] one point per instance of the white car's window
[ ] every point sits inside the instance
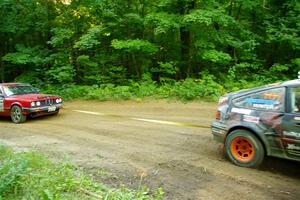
(295, 100)
(7, 91)
(271, 100)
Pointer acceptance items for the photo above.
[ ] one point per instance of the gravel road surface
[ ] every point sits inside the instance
(152, 143)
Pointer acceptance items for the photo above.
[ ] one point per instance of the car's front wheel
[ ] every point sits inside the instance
(56, 112)
(244, 149)
(17, 115)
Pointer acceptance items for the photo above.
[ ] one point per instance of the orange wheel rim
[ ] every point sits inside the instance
(242, 149)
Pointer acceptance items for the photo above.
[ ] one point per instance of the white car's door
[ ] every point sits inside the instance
(1, 101)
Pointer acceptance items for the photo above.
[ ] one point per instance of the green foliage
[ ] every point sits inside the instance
(296, 62)
(26, 55)
(166, 71)
(84, 60)
(145, 88)
(61, 35)
(118, 42)
(29, 77)
(208, 17)
(60, 74)
(199, 17)
(279, 68)
(133, 46)
(89, 40)
(162, 22)
(17, 58)
(31, 175)
(241, 71)
(115, 74)
(236, 84)
(216, 56)
(103, 93)
(189, 89)
(168, 68)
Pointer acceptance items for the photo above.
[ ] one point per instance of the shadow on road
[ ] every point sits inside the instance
(29, 119)
(282, 166)
(5, 119)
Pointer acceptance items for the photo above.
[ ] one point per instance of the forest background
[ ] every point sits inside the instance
(123, 49)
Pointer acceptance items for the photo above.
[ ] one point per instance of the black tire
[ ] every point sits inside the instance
(244, 149)
(57, 111)
(17, 115)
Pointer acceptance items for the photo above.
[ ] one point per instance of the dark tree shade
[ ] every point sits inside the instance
(114, 41)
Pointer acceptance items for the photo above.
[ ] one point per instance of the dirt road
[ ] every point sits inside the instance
(136, 143)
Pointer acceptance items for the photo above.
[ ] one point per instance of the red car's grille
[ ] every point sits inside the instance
(47, 102)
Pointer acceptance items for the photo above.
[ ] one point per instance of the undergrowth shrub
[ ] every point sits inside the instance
(245, 81)
(186, 90)
(191, 89)
(30, 175)
(145, 88)
(121, 92)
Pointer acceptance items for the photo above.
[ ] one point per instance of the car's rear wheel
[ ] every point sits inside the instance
(17, 115)
(244, 149)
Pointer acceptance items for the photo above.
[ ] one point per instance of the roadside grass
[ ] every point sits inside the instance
(206, 88)
(187, 90)
(31, 175)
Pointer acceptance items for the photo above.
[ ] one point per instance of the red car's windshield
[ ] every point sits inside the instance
(19, 89)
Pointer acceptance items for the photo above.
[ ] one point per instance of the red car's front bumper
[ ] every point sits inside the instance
(43, 110)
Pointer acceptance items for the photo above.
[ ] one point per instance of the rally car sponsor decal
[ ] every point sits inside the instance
(260, 101)
(293, 147)
(248, 118)
(297, 118)
(241, 111)
(291, 134)
(263, 106)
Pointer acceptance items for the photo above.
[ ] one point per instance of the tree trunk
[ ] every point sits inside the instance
(185, 37)
(134, 62)
(230, 7)
(2, 72)
(142, 11)
(239, 13)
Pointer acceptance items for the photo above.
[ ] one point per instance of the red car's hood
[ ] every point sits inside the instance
(35, 97)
